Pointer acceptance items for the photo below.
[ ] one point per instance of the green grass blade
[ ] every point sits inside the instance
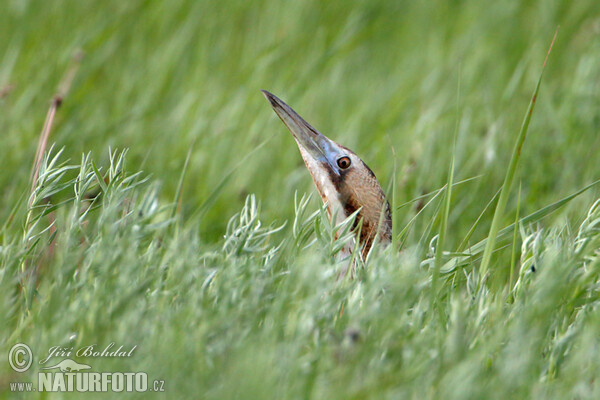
(179, 192)
(436, 192)
(510, 174)
(395, 221)
(514, 246)
(465, 241)
(502, 234)
(99, 178)
(413, 219)
(442, 233)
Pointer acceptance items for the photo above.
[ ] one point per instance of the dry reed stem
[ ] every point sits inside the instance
(63, 89)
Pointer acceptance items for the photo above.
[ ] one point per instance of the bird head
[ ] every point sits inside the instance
(346, 184)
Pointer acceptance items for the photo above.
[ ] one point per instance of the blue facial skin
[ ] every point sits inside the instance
(328, 152)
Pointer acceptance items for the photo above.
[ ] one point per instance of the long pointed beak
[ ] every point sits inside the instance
(312, 141)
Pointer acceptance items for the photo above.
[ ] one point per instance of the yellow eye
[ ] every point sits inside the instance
(343, 162)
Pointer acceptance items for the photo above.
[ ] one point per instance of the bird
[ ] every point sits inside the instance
(345, 183)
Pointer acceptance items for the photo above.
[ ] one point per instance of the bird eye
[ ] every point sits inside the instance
(343, 162)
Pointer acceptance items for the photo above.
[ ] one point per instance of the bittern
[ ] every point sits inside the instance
(346, 184)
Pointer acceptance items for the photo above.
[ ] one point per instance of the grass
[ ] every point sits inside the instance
(170, 212)
(510, 173)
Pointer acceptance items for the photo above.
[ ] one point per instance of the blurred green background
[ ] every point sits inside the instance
(261, 317)
(390, 79)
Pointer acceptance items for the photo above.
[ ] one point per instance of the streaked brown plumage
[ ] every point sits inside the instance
(343, 180)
